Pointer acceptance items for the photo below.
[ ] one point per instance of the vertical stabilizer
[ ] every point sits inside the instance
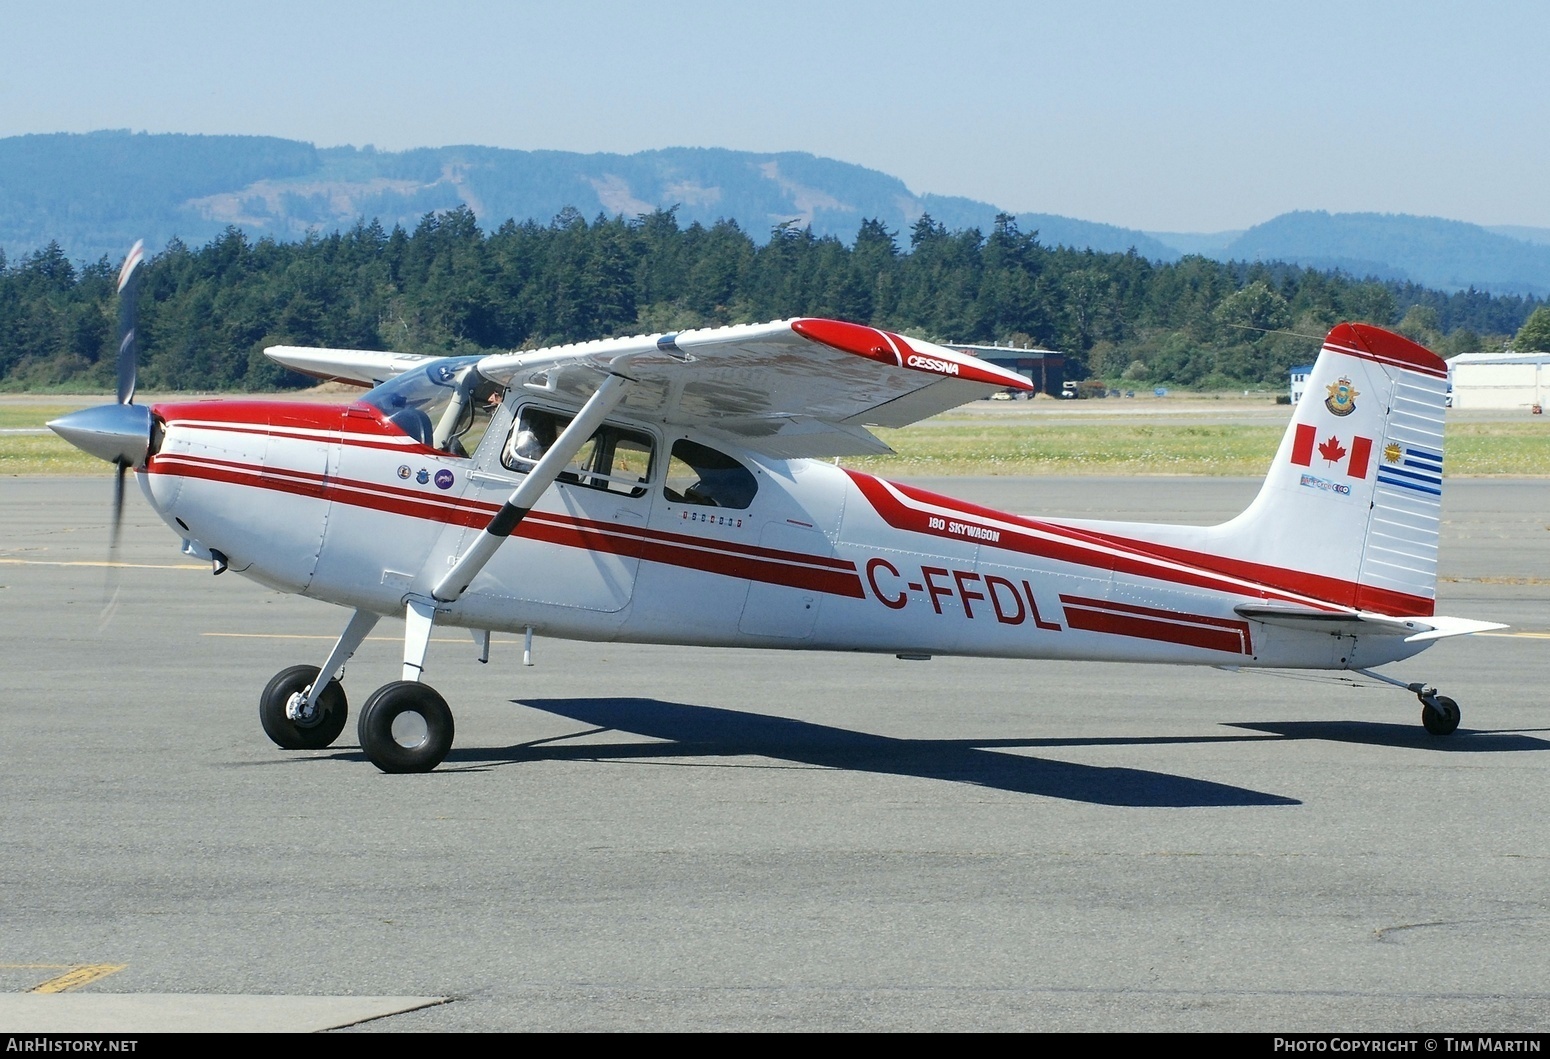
(1352, 502)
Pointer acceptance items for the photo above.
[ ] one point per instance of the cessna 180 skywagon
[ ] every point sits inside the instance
(669, 489)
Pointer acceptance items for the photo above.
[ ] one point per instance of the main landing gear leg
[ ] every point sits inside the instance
(300, 709)
(1440, 715)
(406, 726)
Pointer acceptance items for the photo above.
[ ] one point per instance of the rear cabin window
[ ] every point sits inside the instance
(697, 474)
(613, 458)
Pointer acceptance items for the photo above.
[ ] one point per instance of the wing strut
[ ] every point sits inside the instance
(521, 501)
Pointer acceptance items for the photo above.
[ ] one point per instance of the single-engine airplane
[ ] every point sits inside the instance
(670, 489)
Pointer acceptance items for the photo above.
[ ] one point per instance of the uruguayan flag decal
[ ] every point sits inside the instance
(1411, 468)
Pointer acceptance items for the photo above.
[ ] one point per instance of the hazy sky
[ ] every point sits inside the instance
(1181, 116)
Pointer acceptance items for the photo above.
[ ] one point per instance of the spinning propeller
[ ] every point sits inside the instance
(119, 433)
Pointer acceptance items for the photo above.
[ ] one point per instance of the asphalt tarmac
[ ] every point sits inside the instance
(639, 838)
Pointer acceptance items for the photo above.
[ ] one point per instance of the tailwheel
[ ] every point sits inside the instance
(1440, 715)
(283, 710)
(405, 726)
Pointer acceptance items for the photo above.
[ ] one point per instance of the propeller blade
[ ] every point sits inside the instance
(110, 586)
(128, 288)
(118, 512)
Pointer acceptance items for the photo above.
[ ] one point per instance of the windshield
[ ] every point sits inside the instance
(444, 405)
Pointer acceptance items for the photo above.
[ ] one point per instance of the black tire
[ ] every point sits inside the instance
(423, 722)
(1444, 720)
(321, 731)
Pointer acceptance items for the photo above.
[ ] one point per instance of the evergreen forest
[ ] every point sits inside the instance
(206, 314)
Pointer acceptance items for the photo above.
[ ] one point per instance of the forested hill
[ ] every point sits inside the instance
(446, 285)
(95, 193)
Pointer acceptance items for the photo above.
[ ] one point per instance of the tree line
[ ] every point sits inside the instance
(448, 287)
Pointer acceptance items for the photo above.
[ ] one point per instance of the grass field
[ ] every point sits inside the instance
(979, 441)
(1517, 446)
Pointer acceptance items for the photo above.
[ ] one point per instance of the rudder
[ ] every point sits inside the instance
(1354, 495)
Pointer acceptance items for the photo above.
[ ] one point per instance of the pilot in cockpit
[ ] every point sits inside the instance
(532, 438)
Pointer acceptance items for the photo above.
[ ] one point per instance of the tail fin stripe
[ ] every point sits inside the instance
(1422, 473)
(1433, 365)
(1387, 478)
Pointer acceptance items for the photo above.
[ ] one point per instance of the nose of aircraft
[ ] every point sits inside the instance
(118, 433)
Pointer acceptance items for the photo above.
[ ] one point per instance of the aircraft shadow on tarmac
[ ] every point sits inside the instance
(1378, 733)
(706, 731)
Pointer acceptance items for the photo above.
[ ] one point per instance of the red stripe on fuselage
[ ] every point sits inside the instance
(360, 425)
(1140, 558)
(1151, 623)
(752, 562)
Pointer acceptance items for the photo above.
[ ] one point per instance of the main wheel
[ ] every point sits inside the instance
(1444, 719)
(405, 727)
(311, 733)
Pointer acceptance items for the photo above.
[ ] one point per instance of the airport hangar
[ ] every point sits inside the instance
(1500, 380)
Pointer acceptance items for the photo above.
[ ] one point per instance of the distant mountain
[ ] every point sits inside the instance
(1433, 252)
(95, 193)
(1540, 236)
(1206, 244)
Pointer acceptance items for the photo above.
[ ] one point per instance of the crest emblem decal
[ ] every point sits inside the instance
(1342, 397)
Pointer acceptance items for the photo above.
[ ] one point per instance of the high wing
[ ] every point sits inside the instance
(794, 388)
(358, 367)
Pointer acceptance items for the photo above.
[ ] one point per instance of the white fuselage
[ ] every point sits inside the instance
(332, 503)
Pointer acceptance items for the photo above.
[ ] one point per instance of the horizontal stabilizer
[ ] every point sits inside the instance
(1364, 623)
(1443, 626)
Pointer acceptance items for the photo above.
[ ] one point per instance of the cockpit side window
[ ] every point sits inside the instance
(614, 458)
(698, 474)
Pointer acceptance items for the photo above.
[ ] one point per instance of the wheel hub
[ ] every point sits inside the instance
(410, 730)
(298, 711)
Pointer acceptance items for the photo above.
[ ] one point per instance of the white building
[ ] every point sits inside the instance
(1500, 380)
(1300, 373)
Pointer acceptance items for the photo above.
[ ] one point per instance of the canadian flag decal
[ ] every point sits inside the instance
(1331, 451)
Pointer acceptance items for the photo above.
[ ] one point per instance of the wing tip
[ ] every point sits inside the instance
(896, 351)
(859, 339)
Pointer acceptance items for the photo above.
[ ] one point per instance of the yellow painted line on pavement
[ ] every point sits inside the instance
(1519, 635)
(77, 977)
(307, 636)
(87, 562)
